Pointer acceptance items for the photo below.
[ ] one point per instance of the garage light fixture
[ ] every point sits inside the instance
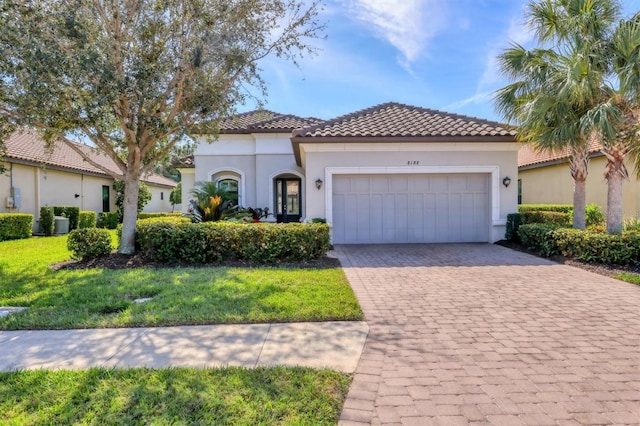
(506, 181)
(318, 183)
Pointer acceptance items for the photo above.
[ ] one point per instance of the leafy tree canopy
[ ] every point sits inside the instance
(134, 76)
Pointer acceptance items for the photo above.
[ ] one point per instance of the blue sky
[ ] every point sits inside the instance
(437, 54)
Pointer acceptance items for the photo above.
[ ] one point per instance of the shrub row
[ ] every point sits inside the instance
(549, 239)
(107, 220)
(621, 249)
(15, 226)
(46, 220)
(515, 220)
(562, 208)
(142, 215)
(213, 242)
(87, 219)
(538, 237)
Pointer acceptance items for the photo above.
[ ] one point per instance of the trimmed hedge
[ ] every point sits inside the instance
(88, 243)
(562, 208)
(515, 220)
(214, 242)
(87, 219)
(107, 220)
(622, 249)
(143, 215)
(46, 220)
(70, 212)
(559, 218)
(539, 238)
(15, 226)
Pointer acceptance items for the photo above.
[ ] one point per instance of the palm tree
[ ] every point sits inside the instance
(562, 96)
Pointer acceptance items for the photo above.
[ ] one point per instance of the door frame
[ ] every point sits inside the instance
(284, 218)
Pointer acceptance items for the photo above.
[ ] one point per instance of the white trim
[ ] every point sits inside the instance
(303, 195)
(238, 172)
(494, 171)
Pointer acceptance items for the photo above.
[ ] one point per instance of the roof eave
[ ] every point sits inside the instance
(296, 140)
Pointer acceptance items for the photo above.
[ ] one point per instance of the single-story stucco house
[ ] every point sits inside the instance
(61, 177)
(544, 178)
(391, 173)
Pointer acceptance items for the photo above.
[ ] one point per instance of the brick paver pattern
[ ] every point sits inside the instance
(477, 334)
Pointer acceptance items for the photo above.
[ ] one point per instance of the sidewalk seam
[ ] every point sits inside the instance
(264, 342)
(145, 332)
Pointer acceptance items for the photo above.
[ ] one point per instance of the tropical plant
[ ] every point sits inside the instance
(135, 77)
(210, 202)
(552, 87)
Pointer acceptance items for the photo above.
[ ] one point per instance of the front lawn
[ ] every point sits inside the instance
(92, 298)
(228, 396)
(629, 277)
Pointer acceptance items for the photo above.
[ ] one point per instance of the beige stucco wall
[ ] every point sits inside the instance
(256, 158)
(47, 187)
(554, 185)
(393, 158)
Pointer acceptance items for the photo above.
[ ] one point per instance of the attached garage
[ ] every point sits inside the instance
(411, 208)
(395, 173)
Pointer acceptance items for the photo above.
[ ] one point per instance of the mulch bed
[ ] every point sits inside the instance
(123, 261)
(606, 270)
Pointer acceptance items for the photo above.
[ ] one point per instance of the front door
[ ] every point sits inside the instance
(288, 199)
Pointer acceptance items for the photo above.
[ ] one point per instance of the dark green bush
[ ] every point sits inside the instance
(318, 220)
(15, 226)
(88, 243)
(71, 213)
(538, 237)
(588, 246)
(87, 219)
(514, 220)
(212, 242)
(562, 208)
(107, 220)
(46, 220)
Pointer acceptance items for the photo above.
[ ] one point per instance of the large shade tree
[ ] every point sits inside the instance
(134, 76)
(554, 87)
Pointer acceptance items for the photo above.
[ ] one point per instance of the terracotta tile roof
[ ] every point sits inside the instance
(265, 121)
(394, 120)
(28, 146)
(529, 157)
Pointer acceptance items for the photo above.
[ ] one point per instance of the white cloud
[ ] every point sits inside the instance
(478, 98)
(408, 25)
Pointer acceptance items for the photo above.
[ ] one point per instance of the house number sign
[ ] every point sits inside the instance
(413, 163)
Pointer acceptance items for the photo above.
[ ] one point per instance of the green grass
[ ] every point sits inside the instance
(229, 396)
(181, 296)
(629, 277)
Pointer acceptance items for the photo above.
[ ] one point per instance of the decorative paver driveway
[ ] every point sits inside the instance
(479, 334)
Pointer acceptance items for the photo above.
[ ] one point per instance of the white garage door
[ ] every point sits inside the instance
(421, 208)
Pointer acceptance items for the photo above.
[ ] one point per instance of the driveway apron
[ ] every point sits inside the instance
(480, 334)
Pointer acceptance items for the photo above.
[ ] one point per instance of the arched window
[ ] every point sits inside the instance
(229, 185)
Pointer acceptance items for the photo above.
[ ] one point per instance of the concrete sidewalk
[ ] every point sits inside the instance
(336, 345)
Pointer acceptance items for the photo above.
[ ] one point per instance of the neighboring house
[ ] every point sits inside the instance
(544, 178)
(61, 177)
(392, 173)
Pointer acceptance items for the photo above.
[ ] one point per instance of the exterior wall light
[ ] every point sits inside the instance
(506, 181)
(318, 183)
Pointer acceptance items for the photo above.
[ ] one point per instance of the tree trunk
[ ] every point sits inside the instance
(614, 202)
(579, 203)
(578, 166)
(130, 213)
